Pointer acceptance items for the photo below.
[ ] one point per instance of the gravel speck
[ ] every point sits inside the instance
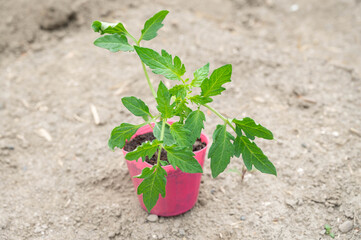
(202, 202)
(111, 234)
(152, 218)
(181, 232)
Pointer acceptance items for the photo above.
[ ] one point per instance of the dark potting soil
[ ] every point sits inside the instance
(138, 140)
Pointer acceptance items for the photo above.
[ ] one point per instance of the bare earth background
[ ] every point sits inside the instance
(297, 70)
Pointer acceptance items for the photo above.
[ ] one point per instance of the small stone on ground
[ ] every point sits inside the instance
(152, 218)
(346, 226)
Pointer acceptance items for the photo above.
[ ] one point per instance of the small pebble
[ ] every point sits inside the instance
(79, 153)
(243, 218)
(294, 8)
(346, 226)
(202, 202)
(152, 218)
(181, 232)
(259, 100)
(213, 191)
(300, 171)
(177, 224)
(111, 234)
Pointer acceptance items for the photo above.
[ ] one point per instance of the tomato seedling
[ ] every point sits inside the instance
(328, 231)
(182, 103)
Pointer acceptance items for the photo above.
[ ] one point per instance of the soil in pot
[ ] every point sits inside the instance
(138, 140)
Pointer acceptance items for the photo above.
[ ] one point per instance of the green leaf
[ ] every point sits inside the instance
(152, 25)
(194, 124)
(136, 106)
(163, 100)
(183, 159)
(161, 64)
(328, 231)
(179, 91)
(213, 85)
(197, 99)
(146, 172)
(237, 146)
(221, 150)
(253, 155)
(105, 27)
(152, 186)
(114, 43)
(238, 131)
(167, 138)
(181, 108)
(164, 163)
(181, 134)
(122, 133)
(199, 75)
(327, 228)
(97, 26)
(251, 129)
(147, 149)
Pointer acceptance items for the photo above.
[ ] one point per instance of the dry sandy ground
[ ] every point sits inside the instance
(297, 70)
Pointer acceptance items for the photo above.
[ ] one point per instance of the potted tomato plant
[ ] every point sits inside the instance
(165, 153)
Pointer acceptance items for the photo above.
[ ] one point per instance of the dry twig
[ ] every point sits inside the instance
(95, 114)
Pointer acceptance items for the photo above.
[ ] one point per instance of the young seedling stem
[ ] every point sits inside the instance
(161, 139)
(220, 116)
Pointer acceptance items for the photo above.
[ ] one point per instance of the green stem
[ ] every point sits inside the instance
(145, 70)
(164, 121)
(148, 80)
(153, 119)
(133, 38)
(220, 116)
(161, 139)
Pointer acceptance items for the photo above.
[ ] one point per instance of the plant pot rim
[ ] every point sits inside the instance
(168, 168)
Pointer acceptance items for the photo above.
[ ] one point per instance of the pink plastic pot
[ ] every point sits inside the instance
(182, 188)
